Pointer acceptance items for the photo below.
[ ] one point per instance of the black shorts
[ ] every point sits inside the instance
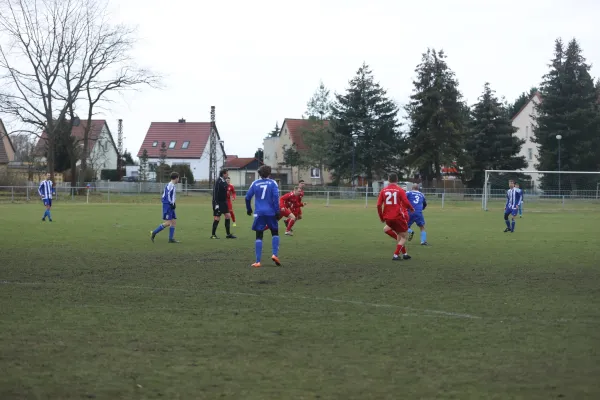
(223, 209)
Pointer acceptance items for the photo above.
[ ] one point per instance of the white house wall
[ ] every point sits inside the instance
(103, 155)
(524, 123)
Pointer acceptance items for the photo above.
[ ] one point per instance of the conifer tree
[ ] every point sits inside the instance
(365, 110)
(490, 142)
(436, 118)
(569, 108)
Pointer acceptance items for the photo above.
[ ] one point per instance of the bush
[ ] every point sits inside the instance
(184, 171)
(109, 175)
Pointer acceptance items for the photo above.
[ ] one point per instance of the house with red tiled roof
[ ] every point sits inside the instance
(291, 133)
(242, 170)
(7, 151)
(524, 121)
(187, 143)
(102, 150)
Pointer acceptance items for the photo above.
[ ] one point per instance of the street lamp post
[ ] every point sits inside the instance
(558, 137)
(354, 139)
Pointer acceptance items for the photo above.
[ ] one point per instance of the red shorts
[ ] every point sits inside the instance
(284, 213)
(397, 225)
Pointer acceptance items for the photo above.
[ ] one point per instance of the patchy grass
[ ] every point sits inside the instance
(90, 308)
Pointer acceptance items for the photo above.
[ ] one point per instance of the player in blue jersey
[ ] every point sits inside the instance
(266, 213)
(46, 190)
(521, 203)
(168, 210)
(513, 199)
(418, 201)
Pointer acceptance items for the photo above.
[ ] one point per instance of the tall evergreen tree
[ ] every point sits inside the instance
(365, 110)
(319, 105)
(569, 108)
(143, 170)
(275, 131)
(436, 115)
(520, 102)
(490, 142)
(259, 154)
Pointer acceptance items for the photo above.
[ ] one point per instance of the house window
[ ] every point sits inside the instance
(315, 173)
(185, 145)
(526, 132)
(154, 144)
(530, 154)
(172, 144)
(152, 167)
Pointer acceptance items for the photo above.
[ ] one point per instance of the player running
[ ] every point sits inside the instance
(301, 202)
(390, 206)
(46, 190)
(289, 205)
(419, 203)
(513, 199)
(266, 203)
(168, 210)
(231, 196)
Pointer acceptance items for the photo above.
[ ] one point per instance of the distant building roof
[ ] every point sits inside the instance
(296, 127)
(7, 150)
(241, 162)
(78, 132)
(183, 139)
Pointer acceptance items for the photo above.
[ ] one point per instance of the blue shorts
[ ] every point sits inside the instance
(168, 213)
(262, 221)
(416, 218)
(47, 202)
(513, 211)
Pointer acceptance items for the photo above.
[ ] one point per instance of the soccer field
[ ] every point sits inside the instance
(91, 308)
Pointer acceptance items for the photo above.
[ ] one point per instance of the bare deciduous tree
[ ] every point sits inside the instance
(62, 55)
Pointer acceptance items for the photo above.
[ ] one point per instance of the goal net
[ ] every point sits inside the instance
(544, 191)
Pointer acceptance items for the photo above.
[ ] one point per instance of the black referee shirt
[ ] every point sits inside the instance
(220, 191)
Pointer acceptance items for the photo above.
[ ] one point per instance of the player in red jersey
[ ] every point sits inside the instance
(391, 206)
(231, 195)
(288, 208)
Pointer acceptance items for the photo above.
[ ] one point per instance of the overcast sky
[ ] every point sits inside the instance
(260, 61)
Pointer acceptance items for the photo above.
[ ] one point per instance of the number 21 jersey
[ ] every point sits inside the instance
(393, 199)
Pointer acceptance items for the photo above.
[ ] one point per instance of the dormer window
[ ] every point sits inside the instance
(185, 145)
(154, 144)
(172, 144)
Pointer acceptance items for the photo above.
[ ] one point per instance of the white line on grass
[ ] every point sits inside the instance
(322, 299)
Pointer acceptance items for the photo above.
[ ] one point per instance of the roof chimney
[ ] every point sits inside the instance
(182, 121)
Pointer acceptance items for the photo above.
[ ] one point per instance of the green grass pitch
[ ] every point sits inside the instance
(91, 308)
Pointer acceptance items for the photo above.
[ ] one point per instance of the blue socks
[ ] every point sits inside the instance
(275, 244)
(507, 223)
(423, 237)
(171, 232)
(160, 228)
(512, 228)
(258, 249)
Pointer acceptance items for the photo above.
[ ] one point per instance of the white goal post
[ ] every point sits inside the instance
(567, 188)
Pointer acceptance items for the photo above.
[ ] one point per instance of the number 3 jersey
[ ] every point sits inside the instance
(417, 199)
(391, 203)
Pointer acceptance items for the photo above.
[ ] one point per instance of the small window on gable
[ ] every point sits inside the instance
(172, 144)
(185, 145)
(154, 144)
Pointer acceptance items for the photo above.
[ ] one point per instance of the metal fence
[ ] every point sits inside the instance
(133, 192)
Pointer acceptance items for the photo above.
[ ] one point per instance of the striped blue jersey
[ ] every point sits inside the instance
(513, 198)
(45, 189)
(266, 197)
(417, 199)
(168, 196)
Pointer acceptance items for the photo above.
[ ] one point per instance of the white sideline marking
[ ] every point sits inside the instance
(323, 299)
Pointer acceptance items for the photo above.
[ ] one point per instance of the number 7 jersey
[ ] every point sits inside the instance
(391, 203)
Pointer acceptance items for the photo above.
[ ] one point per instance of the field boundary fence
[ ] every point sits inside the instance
(132, 192)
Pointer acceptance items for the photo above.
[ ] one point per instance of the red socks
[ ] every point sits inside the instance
(400, 249)
(232, 216)
(290, 224)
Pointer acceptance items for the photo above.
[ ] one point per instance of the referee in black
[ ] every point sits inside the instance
(219, 204)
